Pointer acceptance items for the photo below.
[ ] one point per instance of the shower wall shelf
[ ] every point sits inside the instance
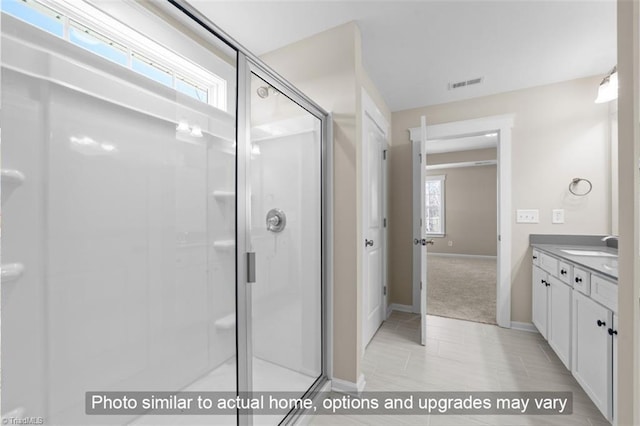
(224, 244)
(12, 176)
(224, 195)
(227, 322)
(11, 272)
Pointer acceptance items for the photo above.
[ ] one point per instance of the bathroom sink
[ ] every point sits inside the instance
(593, 253)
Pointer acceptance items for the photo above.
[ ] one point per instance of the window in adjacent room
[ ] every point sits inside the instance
(434, 208)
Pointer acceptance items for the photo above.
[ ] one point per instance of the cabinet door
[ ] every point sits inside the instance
(592, 351)
(559, 320)
(539, 296)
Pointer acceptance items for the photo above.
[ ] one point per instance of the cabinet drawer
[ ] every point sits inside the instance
(564, 272)
(581, 281)
(604, 292)
(536, 257)
(549, 264)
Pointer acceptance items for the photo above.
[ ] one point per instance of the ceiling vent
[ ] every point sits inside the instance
(465, 83)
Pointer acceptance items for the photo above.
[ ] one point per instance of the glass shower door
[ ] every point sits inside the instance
(285, 308)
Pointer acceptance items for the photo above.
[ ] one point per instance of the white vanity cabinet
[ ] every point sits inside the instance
(559, 319)
(551, 305)
(593, 351)
(540, 307)
(574, 309)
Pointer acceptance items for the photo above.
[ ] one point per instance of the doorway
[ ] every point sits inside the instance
(496, 124)
(461, 220)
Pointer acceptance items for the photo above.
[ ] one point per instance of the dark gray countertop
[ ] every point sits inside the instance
(605, 266)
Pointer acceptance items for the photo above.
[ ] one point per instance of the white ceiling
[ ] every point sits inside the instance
(413, 49)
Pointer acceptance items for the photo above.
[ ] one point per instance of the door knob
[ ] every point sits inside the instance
(424, 242)
(368, 243)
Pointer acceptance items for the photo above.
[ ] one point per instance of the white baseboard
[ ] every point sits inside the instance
(351, 388)
(400, 308)
(524, 326)
(472, 256)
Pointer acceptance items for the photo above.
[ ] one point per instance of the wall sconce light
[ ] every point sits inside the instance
(608, 89)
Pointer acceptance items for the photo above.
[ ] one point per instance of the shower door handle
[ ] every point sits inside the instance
(251, 267)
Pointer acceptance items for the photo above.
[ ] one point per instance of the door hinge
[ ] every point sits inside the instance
(384, 290)
(384, 221)
(420, 157)
(251, 267)
(384, 154)
(420, 285)
(499, 237)
(420, 222)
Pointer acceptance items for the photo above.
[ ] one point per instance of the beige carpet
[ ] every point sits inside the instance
(462, 287)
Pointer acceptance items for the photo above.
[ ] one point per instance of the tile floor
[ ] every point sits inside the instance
(464, 356)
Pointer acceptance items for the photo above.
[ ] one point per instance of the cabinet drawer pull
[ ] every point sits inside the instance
(578, 279)
(612, 332)
(535, 257)
(601, 324)
(563, 271)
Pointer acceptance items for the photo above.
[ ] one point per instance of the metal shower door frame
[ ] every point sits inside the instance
(248, 63)
(246, 67)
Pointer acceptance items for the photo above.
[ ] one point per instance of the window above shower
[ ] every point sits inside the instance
(95, 31)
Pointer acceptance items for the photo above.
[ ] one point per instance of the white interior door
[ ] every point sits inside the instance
(419, 230)
(374, 141)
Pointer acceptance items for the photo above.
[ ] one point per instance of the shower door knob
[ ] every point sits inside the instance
(276, 220)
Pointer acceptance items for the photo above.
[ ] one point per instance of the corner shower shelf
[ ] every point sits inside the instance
(11, 271)
(12, 176)
(226, 323)
(224, 244)
(223, 195)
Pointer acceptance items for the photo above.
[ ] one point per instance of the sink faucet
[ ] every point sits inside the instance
(609, 237)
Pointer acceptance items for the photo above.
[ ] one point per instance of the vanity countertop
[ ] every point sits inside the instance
(606, 266)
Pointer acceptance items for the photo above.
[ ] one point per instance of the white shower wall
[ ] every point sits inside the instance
(129, 272)
(286, 174)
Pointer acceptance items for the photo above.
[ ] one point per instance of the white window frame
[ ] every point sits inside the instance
(108, 29)
(443, 208)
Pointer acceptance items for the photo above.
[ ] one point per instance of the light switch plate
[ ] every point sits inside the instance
(527, 216)
(557, 216)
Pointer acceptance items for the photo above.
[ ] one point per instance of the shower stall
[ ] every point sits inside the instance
(164, 214)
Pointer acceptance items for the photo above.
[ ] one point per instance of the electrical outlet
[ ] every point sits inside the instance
(527, 216)
(450, 243)
(557, 216)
